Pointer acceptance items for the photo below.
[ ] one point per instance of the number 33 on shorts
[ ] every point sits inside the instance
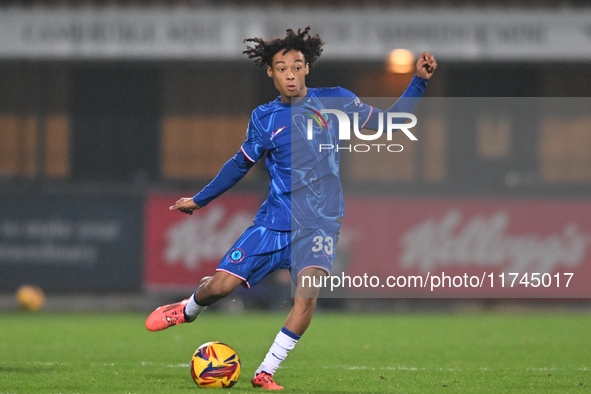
(323, 243)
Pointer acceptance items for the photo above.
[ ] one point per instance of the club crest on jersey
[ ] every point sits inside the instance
(236, 255)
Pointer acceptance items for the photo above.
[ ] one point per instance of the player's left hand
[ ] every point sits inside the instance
(426, 65)
(185, 205)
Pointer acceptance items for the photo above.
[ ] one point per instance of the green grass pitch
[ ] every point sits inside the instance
(340, 353)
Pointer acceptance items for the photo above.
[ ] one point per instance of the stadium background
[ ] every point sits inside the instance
(101, 128)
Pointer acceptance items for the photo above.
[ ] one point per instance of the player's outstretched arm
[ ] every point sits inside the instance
(185, 205)
(425, 67)
(232, 172)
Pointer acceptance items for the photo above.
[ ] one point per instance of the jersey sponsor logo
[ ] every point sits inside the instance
(274, 133)
(236, 255)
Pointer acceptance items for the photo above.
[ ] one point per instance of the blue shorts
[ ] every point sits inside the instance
(261, 251)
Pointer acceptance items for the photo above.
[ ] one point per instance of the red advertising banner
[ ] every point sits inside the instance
(396, 247)
(181, 249)
(466, 248)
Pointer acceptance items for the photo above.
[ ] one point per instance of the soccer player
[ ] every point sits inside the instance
(297, 226)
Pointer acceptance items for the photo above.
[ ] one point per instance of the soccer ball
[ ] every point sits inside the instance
(215, 364)
(30, 298)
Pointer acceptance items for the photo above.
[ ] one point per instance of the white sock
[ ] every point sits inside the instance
(284, 342)
(193, 309)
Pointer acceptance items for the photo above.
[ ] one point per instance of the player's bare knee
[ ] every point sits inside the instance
(310, 281)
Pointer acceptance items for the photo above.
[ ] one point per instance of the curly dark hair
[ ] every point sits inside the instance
(263, 52)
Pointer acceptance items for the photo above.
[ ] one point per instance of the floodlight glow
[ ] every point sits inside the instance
(401, 61)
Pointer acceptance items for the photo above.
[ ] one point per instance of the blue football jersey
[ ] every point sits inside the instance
(301, 143)
(305, 190)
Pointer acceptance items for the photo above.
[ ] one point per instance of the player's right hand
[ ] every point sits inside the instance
(185, 205)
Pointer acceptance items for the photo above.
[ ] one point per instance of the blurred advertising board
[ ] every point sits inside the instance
(181, 249)
(475, 248)
(66, 243)
(397, 247)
